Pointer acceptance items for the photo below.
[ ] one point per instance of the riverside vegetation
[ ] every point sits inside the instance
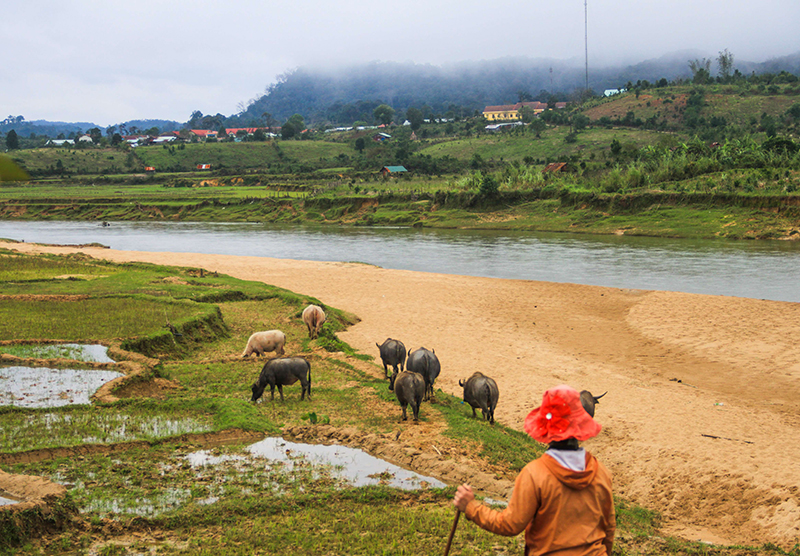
(699, 161)
(130, 488)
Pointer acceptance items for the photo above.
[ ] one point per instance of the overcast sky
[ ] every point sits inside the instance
(109, 61)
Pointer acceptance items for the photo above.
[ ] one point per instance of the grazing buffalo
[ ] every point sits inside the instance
(281, 372)
(313, 316)
(427, 364)
(481, 391)
(393, 353)
(261, 342)
(409, 389)
(588, 401)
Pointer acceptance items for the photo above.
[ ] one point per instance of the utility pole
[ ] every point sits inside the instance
(586, 40)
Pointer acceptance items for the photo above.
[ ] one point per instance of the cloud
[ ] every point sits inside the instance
(111, 61)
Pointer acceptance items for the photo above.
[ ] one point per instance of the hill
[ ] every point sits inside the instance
(345, 95)
(45, 128)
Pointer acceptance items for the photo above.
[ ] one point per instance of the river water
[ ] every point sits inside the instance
(756, 269)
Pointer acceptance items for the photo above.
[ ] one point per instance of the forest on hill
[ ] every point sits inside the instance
(342, 96)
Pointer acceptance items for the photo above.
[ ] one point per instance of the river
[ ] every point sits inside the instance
(756, 269)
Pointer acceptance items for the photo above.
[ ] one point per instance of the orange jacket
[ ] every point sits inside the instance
(564, 511)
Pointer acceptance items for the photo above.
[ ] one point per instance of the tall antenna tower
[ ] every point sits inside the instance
(586, 39)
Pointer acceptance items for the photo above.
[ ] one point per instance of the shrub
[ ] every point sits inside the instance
(489, 186)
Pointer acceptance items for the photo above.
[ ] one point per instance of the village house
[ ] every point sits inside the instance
(204, 133)
(510, 112)
(387, 171)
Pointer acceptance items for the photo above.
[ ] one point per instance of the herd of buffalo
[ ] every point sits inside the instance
(412, 376)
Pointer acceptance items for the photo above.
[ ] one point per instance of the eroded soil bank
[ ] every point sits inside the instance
(701, 407)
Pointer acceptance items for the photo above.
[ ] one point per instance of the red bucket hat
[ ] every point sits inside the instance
(560, 416)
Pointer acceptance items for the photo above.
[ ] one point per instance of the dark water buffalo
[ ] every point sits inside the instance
(393, 353)
(588, 401)
(314, 317)
(409, 389)
(480, 391)
(281, 372)
(427, 364)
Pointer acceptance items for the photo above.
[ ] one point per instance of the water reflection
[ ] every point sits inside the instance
(45, 387)
(351, 464)
(95, 353)
(758, 269)
(5, 499)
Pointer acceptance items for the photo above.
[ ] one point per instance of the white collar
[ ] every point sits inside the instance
(571, 459)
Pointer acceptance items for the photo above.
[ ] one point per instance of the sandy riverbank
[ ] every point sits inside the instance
(717, 453)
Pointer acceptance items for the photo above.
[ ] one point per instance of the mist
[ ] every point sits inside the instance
(112, 62)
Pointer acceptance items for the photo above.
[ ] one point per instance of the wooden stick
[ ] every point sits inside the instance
(452, 532)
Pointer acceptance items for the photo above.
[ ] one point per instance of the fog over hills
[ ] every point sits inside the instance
(323, 94)
(342, 95)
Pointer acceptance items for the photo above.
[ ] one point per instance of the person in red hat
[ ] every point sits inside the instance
(562, 500)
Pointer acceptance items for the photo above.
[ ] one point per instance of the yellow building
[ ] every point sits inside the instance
(510, 112)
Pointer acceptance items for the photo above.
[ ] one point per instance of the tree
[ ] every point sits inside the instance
(414, 117)
(12, 141)
(580, 121)
(95, 134)
(527, 114)
(725, 62)
(297, 121)
(116, 139)
(538, 126)
(701, 71)
(269, 120)
(383, 113)
(489, 185)
(195, 120)
(111, 130)
(293, 126)
(360, 144)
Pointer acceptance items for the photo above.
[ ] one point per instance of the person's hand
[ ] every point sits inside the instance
(464, 496)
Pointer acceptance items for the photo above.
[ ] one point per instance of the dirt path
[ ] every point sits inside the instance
(718, 453)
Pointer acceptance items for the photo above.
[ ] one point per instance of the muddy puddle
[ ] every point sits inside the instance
(45, 387)
(95, 353)
(6, 499)
(353, 466)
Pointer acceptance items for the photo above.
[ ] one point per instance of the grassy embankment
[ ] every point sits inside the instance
(144, 495)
